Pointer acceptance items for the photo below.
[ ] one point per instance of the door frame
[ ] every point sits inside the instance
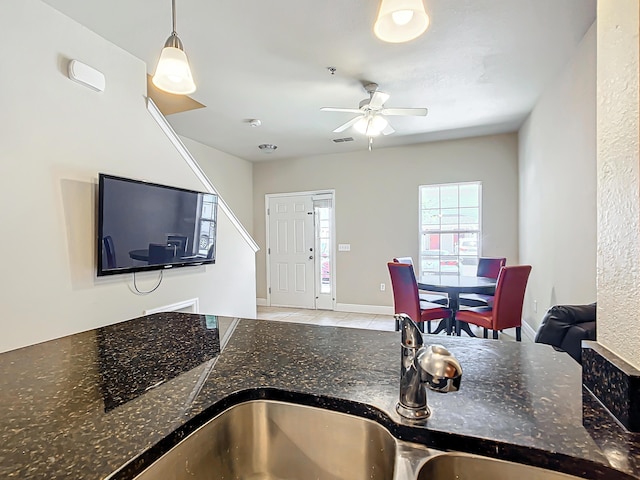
(311, 194)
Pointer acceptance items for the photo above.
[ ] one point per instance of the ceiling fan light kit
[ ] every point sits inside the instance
(173, 74)
(400, 21)
(371, 125)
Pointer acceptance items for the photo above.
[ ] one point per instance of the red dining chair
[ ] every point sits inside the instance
(405, 297)
(440, 299)
(507, 307)
(487, 267)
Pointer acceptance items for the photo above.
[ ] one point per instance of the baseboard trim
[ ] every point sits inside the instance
(371, 309)
(261, 302)
(528, 331)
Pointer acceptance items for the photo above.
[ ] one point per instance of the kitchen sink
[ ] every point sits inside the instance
(269, 440)
(272, 440)
(461, 466)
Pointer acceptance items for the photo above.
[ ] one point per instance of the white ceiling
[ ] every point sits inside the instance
(479, 68)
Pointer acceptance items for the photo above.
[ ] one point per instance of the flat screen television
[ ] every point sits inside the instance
(146, 226)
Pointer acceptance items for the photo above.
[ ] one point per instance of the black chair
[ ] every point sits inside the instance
(181, 242)
(160, 253)
(110, 251)
(565, 326)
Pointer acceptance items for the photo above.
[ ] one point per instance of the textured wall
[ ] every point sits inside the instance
(618, 270)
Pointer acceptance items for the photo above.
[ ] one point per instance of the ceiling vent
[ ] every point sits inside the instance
(345, 139)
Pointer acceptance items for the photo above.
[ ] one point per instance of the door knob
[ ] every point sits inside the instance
(310, 257)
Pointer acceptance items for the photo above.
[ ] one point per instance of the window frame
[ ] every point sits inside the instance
(424, 230)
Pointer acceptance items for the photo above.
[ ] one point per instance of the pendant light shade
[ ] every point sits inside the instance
(400, 20)
(173, 74)
(371, 125)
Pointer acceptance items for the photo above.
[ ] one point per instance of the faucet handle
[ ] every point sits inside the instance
(442, 371)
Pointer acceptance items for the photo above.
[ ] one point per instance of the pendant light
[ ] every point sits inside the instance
(173, 73)
(371, 125)
(400, 20)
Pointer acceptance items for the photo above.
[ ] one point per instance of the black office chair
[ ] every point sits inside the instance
(110, 251)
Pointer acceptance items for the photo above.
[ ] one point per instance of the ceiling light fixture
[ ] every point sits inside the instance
(400, 20)
(371, 125)
(173, 73)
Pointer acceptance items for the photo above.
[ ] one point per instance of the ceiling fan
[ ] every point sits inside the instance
(371, 119)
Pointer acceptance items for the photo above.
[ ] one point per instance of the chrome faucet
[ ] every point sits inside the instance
(430, 366)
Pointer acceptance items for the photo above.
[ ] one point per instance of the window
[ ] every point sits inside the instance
(450, 229)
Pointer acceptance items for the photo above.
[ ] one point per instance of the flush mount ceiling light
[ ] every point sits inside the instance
(400, 20)
(173, 73)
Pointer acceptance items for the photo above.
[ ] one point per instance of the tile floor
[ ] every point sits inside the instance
(346, 319)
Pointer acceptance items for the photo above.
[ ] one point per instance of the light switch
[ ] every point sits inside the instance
(344, 247)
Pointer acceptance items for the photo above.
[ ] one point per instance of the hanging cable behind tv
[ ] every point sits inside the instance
(141, 292)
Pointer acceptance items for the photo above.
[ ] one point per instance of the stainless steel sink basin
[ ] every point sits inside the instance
(461, 466)
(268, 440)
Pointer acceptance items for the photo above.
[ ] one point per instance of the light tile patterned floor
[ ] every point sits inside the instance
(327, 317)
(346, 319)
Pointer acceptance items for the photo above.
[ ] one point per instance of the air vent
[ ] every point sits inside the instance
(345, 139)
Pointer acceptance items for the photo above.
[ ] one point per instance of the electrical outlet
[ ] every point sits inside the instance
(382, 287)
(535, 306)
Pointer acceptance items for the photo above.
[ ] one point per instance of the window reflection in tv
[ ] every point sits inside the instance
(147, 226)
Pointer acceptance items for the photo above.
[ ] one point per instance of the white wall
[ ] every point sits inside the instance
(377, 203)
(557, 157)
(231, 176)
(618, 178)
(55, 136)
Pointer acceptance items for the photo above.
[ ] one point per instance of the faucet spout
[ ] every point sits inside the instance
(432, 366)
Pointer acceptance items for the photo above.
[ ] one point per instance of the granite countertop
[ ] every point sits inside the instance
(85, 405)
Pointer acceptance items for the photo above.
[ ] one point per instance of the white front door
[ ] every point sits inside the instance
(291, 251)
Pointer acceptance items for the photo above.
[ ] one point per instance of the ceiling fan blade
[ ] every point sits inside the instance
(378, 99)
(336, 109)
(388, 130)
(414, 112)
(346, 125)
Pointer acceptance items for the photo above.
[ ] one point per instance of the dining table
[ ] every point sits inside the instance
(453, 286)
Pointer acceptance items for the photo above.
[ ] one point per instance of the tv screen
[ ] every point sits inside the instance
(146, 226)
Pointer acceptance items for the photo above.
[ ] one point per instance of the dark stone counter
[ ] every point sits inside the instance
(84, 405)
